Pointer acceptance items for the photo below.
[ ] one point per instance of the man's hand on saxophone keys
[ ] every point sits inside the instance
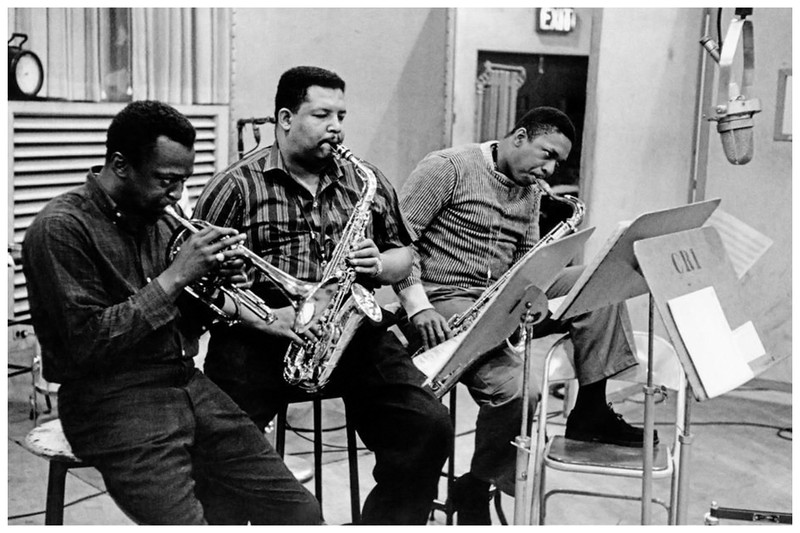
(365, 258)
(432, 327)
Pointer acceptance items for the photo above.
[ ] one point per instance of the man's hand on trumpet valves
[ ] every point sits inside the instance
(202, 253)
(232, 272)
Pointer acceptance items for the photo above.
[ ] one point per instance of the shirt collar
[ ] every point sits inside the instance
(95, 192)
(274, 161)
(100, 197)
(486, 151)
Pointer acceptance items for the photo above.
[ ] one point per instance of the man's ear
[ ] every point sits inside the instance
(284, 119)
(119, 165)
(520, 136)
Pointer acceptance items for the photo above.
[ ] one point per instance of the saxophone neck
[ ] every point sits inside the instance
(570, 224)
(578, 207)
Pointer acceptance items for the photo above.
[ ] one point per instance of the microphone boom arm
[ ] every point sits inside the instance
(736, 102)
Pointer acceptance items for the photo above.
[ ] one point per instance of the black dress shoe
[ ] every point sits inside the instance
(470, 499)
(604, 425)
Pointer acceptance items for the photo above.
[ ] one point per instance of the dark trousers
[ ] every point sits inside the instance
(406, 427)
(174, 449)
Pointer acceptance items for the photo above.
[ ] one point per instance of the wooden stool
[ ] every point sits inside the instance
(48, 442)
(352, 448)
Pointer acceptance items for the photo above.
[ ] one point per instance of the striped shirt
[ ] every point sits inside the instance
(472, 222)
(288, 226)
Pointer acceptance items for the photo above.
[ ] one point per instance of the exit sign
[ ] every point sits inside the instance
(556, 20)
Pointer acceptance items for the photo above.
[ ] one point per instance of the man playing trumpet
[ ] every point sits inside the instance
(475, 210)
(118, 331)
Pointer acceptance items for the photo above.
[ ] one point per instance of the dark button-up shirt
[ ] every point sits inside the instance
(95, 305)
(287, 225)
(293, 230)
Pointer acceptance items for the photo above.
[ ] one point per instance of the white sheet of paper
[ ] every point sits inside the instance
(554, 303)
(709, 341)
(432, 361)
(748, 342)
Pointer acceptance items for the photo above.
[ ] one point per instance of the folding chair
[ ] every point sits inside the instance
(579, 457)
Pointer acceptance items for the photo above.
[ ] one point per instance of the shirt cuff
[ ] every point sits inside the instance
(157, 308)
(414, 299)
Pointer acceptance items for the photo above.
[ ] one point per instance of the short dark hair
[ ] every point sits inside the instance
(134, 130)
(542, 120)
(294, 83)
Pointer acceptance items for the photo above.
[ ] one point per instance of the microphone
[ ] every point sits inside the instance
(734, 115)
(735, 128)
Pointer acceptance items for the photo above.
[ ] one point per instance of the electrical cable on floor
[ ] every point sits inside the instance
(780, 430)
(79, 500)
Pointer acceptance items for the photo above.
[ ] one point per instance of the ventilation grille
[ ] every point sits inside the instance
(53, 145)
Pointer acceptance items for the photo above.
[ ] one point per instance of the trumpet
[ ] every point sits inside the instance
(308, 299)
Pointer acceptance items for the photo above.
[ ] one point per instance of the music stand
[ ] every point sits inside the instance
(502, 315)
(613, 277)
(696, 291)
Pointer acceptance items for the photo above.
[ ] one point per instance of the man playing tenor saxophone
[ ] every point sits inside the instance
(475, 210)
(294, 200)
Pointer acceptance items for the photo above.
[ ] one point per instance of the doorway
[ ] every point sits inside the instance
(550, 80)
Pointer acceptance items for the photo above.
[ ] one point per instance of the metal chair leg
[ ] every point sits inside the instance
(451, 466)
(280, 434)
(56, 483)
(318, 449)
(352, 458)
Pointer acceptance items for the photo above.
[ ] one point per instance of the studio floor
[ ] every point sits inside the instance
(741, 457)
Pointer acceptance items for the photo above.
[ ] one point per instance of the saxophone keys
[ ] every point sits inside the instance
(366, 303)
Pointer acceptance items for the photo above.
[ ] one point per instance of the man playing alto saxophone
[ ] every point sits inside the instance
(293, 200)
(475, 209)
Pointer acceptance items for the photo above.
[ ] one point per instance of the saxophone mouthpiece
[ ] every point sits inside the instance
(544, 186)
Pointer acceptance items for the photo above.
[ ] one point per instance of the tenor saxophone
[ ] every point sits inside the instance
(310, 366)
(451, 371)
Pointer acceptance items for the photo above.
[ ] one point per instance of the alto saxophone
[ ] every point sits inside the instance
(450, 371)
(310, 366)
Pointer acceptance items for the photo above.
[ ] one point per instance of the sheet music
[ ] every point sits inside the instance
(432, 361)
(718, 359)
(744, 244)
